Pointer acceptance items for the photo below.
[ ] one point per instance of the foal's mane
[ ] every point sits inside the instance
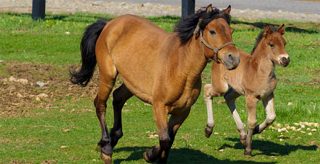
(260, 36)
(185, 27)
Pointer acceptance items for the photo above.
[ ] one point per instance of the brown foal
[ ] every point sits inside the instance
(254, 78)
(161, 68)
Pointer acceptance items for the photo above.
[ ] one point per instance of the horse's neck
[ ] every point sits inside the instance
(262, 61)
(193, 57)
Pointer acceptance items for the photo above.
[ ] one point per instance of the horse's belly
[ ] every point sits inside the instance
(137, 72)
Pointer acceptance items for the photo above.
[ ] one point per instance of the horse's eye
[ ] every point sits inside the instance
(212, 32)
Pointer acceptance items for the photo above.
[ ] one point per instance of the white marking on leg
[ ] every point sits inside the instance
(270, 114)
(210, 121)
(238, 121)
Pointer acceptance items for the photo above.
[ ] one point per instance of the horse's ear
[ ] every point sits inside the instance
(196, 31)
(209, 8)
(227, 10)
(267, 30)
(281, 29)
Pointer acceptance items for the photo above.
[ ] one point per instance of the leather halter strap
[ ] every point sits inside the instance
(215, 50)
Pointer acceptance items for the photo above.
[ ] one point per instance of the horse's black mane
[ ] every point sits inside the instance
(260, 36)
(186, 27)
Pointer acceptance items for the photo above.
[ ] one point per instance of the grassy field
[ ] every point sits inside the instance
(56, 123)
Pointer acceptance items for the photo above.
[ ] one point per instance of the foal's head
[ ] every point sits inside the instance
(274, 43)
(211, 27)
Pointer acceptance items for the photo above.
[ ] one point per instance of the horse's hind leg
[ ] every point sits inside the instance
(230, 98)
(107, 76)
(268, 104)
(251, 103)
(100, 104)
(120, 96)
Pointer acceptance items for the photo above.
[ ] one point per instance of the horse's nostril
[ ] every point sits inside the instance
(286, 60)
(230, 57)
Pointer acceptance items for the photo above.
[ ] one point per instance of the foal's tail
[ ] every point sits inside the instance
(88, 54)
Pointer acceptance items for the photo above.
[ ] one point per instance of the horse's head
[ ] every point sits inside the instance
(275, 45)
(215, 34)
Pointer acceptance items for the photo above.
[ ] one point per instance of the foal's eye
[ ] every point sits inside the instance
(212, 32)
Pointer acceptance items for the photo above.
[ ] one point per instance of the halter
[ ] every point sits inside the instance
(215, 50)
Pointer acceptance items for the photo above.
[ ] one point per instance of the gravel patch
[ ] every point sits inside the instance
(142, 9)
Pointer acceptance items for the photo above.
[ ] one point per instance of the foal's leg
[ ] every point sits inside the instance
(120, 96)
(268, 104)
(210, 118)
(209, 92)
(230, 98)
(251, 103)
(160, 113)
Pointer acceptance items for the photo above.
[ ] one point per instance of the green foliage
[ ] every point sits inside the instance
(70, 135)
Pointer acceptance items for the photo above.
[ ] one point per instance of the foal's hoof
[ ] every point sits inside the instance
(208, 131)
(151, 155)
(107, 159)
(247, 153)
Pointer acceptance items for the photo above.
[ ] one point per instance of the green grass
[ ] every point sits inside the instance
(68, 131)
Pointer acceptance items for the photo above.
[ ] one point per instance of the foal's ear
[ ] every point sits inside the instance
(209, 8)
(281, 29)
(227, 10)
(267, 30)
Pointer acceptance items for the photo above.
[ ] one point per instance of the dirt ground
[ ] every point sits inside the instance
(26, 86)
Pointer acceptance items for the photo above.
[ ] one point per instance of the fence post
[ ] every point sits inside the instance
(38, 9)
(187, 8)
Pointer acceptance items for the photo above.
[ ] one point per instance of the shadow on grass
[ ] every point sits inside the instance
(290, 28)
(182, 155)
(270, 148)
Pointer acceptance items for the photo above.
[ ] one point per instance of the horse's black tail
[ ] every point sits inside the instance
(88, 54)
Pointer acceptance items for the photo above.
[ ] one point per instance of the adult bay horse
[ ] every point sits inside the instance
(158, 67)
(254, 78)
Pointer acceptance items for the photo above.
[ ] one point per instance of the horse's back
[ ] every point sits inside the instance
(135, 46)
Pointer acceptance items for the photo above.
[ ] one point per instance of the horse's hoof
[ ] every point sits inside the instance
(146, 158)
(107, 159)
(208, 131)
(151, 155)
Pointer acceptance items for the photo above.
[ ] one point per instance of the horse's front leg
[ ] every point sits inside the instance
(160, 113)
(268, 104)
(251, 103)
(230, 98)
(120, 96)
